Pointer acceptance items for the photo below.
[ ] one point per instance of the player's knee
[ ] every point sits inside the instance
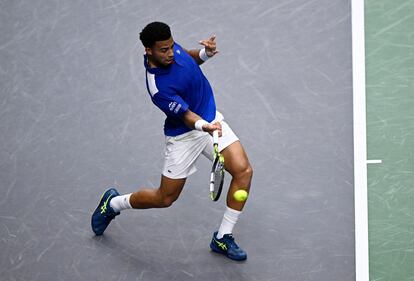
(248, 172)
(245, 172)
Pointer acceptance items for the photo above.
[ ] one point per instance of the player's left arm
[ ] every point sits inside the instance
(210, 48)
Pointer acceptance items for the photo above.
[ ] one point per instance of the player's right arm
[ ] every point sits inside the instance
(173, 105)
(190, 118)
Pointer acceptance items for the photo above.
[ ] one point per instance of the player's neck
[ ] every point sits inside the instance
(151, 63)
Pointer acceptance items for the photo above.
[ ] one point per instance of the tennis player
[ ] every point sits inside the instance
(178, 87)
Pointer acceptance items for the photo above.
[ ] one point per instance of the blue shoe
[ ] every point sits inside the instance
(227, 247)
(104, 213)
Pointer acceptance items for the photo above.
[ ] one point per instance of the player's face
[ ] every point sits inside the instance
(162, 53)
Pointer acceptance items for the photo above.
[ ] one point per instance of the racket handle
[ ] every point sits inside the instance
(215, 137)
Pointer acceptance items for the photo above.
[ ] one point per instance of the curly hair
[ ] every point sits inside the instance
(155, 31)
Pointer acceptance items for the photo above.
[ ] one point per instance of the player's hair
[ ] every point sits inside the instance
(155, 31)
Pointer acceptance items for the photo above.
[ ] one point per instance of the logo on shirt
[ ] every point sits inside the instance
(178, 52)
(172, 105)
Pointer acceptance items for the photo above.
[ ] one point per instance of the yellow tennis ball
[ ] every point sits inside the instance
(240, 195)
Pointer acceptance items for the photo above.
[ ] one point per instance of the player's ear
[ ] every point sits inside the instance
(148, 51)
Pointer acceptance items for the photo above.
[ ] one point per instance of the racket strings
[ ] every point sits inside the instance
(218, 175)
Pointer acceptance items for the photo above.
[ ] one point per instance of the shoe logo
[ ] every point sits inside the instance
(169, 171)
(221, 244)
(103, 207)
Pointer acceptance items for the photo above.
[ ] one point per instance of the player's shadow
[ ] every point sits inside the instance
(206, 267)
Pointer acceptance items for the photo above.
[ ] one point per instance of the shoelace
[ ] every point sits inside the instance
(230, 240)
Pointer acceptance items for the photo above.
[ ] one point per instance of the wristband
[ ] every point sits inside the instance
(203, 55)
(199, 124)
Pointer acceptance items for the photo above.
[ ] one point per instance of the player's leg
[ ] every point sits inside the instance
(162, 197)
(112, 203)
(146, 198)
(181, 153)
(238, 165)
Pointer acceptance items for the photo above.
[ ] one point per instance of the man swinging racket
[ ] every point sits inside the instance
(179, 88)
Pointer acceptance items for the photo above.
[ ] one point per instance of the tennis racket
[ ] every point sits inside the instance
(217, 171)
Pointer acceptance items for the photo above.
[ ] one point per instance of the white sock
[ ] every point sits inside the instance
(120, 202)
(229, 220)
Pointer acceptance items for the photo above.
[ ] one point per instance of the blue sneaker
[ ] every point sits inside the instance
(104, 213)
(227, 247)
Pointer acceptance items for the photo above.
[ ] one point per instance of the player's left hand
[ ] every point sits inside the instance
(210, 45)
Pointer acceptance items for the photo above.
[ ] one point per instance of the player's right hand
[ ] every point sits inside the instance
(210, 128)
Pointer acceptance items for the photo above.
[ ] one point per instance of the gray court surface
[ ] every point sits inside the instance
(75, 118)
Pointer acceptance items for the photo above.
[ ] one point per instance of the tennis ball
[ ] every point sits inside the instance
(240, 195)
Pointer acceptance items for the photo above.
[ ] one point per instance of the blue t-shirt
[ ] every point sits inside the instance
(178, 87)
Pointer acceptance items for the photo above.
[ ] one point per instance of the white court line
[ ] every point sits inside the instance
(360, 142)
(374, 161)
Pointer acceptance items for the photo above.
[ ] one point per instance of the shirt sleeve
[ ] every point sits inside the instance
(171, 104)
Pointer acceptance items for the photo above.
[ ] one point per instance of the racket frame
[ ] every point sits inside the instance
(218, 160)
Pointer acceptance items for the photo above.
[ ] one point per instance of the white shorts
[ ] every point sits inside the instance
(182, 151)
